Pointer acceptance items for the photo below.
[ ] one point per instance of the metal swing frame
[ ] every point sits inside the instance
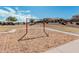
(26, 26)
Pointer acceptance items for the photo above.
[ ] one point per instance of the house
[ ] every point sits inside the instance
(50, 20)
(75, 19)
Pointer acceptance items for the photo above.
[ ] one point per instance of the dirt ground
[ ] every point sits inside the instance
(35, 41)
(65, 28)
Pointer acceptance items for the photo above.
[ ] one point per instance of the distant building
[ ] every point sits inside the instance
(50, 19)
(75, 18)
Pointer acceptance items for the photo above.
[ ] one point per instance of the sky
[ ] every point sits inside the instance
(38, 12)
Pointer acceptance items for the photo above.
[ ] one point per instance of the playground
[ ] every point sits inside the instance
(36, 40)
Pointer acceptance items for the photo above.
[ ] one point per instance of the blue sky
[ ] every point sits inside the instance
(21, 12)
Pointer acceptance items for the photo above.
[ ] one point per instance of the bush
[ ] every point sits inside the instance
(77, 23)
(63, 23)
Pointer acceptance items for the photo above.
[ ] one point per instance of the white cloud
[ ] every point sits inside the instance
(17, 8)
(25, 11)
(11, 9)
(28, 11)
(3, 11)
(19, 16)
(4, 14)
(29, 16)
(34, 17)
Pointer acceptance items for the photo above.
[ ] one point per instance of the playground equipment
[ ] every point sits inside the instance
(26, 25)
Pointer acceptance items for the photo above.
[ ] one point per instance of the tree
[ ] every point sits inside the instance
(61, 19)
(32, 21)
(11, 19)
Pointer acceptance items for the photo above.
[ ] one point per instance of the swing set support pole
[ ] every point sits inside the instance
(26, 29)
(44, 29)
(26, 26)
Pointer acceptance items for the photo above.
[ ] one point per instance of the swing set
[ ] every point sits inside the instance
(26, 30)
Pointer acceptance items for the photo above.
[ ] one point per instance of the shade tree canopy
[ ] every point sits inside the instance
(11, 19)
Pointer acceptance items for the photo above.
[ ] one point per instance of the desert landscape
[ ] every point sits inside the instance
(32, 29)
(35, 40)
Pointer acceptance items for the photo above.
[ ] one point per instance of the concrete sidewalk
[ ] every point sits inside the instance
(68, 33)
(71, 47)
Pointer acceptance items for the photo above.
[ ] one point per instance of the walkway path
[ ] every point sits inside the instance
(72, 47)
(62, 32)
(11, 31)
